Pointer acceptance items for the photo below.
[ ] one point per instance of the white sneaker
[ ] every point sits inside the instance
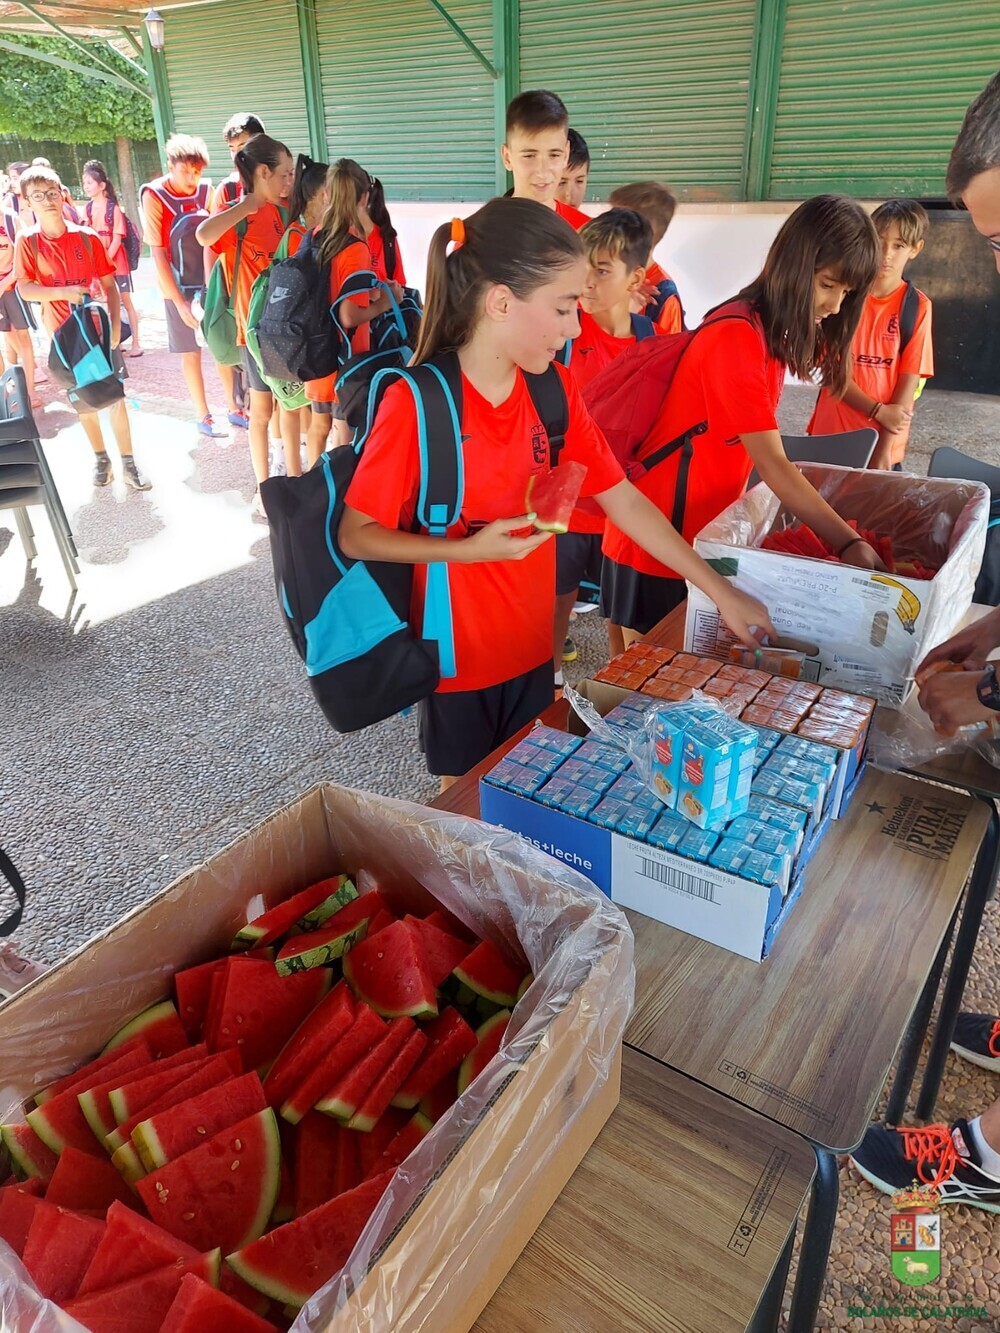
(15, 971)
(581, 608)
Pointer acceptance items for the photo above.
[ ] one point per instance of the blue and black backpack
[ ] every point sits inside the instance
(185, 251)
(349, 619)
(80, 358)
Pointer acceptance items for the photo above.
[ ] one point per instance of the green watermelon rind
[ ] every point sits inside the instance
(319, 955)
(92, 1114)
(468, 1071)
(148, 1144)
(135, 1027)
(480, 986)
(247, 936)
(328, 908)
(18, 1154)
(421, 1008)
(129, 1165)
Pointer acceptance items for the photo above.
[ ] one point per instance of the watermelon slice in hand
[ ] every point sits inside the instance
(551, 496)
(311, 903)
(58, 1250)
(140, 1305)
(199, 1308)
(131, 1245)
(290, 1263)
(391, 973)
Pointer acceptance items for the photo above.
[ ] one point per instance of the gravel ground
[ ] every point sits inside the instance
(162, 713)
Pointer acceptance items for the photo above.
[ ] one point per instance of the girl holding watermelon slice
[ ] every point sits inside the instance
(502, 293)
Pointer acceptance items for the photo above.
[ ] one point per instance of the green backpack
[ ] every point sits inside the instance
(218, 320)
(290, 394)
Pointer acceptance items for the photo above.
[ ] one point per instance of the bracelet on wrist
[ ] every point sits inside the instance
(847, 546)
(873, 414)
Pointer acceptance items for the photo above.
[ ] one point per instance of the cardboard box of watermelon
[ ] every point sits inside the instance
(332, 1079)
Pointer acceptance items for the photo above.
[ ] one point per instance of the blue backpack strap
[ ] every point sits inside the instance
(908, 312)
(355, 284)
(549, 397)
(642, 327)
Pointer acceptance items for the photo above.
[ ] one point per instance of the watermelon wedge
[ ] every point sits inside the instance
(284, 1204)
(243, 1293)
(128, 1099)
(225, 1065)
(551, 496)
(289, 1264)
(449, 1041)
(60, 1121)
(128, 1164)
(191, 988)
(325, 1025)
(444, 951)
(445, 921)
(489, 1036)
(317, 1153)
(388, 1083)
(131, 1245)
(316, 948)
(17, 1208)
(401, 1145)
(98, 1102)
(372, 1146)
(490, 974)
(259, 1010)
(440, 1099)
(283, 916)
(390, 973)
(171, 1133)
(199, 1308)
(343, 1099)
(382, 918)
(58, 1249)
(28, 1153)
(83, 1181)
(87, 1074)
(140, 1305)
(222, 1192)
(160, 1028)
(365, 1030)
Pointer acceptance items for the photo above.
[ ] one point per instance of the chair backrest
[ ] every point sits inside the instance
(16, 419)
(948, 462)
(849, 448)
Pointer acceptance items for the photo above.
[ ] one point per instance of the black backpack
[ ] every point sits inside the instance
(392, 338)
(132, 242)
(298, 338)
(185, 251)
(80, 358)
(349, 619)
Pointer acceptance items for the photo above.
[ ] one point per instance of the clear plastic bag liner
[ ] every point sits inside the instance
(905, 738)
(483, 1161)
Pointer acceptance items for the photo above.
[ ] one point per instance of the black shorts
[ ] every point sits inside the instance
(578, 564)
(179, 337)
(15, 314)
(637, 601)
(123, 281)
(458, 730)
(322, 409)
(252, 372)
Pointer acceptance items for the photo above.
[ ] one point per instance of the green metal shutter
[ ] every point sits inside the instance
(236, 57)
(657, 90)
(406, 99)
(871, 93)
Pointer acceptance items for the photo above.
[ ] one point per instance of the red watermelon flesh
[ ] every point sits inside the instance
(346, 1095)
(199, 1308)
(489, 1036)
(491, 974)
(243, 1293)
(92, 1071)
(325, 944)
(444, 950)
(284, 1204)
(273, 923)
(390, 973)
(58, 1250)
(177, 1130)
(372, 1146)
(131, 1245)
(317, 1033)
(260, 1010)
(317, 1153)
(160, 1028)
(440, 1099)
(289, 1264)
(449, 1041)
(28, 1153)
(366, 1029)
(83, 1181)
(140, 1305)
(99, 1103)
(388, 1083)
(60, 1121)
(17, 1208)
(382, 918)
(215, 1070)
(401, 1145)
(551, 496)
(192, 987)
(347, 1166)
(221, 1193)
(445, 921)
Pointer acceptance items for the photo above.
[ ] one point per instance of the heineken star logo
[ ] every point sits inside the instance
(876, 809)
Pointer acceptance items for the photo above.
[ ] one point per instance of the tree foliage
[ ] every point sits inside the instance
(42, 101)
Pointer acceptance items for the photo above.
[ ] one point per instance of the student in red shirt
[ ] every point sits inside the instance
(656, 203)
(801, 315)
(572, 188)
(505, 297)
(103, 214)
(267, 171)
(56, 262)
(383, 242)
(536, 151)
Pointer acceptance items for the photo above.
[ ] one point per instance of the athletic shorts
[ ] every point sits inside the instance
(322, 409)
(123, 281)
(179, 337)
(15, 314)
(578, 564)
(637, 601)
(252, 372)
(459, 729)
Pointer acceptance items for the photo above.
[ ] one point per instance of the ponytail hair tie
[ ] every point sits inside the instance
(457, 232)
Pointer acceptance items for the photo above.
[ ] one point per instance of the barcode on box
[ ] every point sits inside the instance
(677, 879)
(705, 638)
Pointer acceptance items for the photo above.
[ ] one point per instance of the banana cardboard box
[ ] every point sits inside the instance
(860, 630)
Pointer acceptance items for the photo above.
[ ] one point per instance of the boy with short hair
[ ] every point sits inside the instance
(12, 201)
(536, 151)
(892, 348)
(572, 187)
(181, 190)
(657, 204)
(617, 244)
(56, 262)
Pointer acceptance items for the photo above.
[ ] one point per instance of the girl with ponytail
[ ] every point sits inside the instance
(502, 292)
(103, 214)
(383, 243)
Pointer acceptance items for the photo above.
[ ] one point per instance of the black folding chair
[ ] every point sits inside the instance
(952, 463)
(849, 448)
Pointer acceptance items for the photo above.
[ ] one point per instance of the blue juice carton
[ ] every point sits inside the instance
(587, 775)
(717, 759)
(698, 844)
(765, 868)
(753, 832)
(548, 738)
(668, 831)
(807, 794)
(530, 755)
(600, 755)
(516, 777)
(777, 814)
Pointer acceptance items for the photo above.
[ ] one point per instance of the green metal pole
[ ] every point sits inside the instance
(163, 111)
(312, 79)
(765, 73)
(465, 39)
(507, 58)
